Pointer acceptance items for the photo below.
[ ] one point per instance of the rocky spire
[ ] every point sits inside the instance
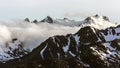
(27, 20)
(48, 19)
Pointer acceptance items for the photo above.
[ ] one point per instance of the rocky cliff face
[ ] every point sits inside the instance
(88, 48)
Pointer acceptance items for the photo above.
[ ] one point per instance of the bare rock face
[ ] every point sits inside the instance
(35, 21)
(27, 20)
(48, 19)
(88, 48)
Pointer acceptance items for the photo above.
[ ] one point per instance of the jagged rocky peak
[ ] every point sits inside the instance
(48, 19)
(26, 20)
(105, 18)
(88, 34)
(35, 21)
(95, 18)
(99, 22)
(86, 31)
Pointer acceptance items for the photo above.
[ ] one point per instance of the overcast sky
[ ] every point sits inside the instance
(20, 9)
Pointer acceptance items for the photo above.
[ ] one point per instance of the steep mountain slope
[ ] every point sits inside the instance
(88, 48)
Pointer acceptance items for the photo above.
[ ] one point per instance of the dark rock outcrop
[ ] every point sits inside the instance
(27, 20)
(106, 18)
(48, 19)
(92, 19)
(35, 21)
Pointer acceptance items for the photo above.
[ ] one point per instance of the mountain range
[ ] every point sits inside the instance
(95, 45)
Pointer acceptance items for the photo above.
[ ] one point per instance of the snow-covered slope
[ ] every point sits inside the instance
(13, 50)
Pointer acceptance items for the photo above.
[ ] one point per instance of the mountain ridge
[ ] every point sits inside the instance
(94, 45)
(96, 21)
(87, 48)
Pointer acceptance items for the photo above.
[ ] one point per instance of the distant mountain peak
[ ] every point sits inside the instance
(47, 19)
(26, 20)
(35, 21)
(99, 22)
(96, 21)
(97, 18)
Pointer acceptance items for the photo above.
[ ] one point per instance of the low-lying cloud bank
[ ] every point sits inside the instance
(31, 34)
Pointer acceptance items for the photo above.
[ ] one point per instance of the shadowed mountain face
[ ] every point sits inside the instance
(88, 48)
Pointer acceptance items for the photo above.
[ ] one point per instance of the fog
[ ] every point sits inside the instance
(30, 34)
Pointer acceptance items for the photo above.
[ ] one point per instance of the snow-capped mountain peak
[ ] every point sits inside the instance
(96, 21)
(99, 22)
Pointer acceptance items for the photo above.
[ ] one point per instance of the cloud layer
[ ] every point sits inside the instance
(31, 34)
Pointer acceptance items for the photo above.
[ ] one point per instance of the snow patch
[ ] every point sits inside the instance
(41, 52)
(66, 47)
(77, 39)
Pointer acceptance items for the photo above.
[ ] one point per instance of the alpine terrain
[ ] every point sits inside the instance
(95, 45)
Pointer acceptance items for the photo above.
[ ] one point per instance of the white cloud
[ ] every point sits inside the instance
(31, 34)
